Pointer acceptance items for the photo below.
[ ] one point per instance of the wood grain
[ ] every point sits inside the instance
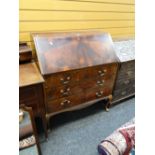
(77, 68)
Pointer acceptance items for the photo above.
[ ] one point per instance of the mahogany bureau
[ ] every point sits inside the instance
(31, 90)
(125, 82)
(79, 69)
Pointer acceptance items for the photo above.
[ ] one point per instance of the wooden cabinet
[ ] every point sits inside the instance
(25, 53)
(78, 68)
(125, 82)
(31, 90)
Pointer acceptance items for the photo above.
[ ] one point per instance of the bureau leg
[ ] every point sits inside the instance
(107, 106)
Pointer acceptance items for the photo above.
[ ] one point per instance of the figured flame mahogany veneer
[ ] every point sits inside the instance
(78, 68)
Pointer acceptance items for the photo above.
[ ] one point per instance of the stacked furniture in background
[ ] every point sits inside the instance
(125, 82)
(31, 85)
(79, 69)
(25, 53)
(31, 90)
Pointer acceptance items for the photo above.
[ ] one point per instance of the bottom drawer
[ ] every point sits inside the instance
(122, 93)
(83, 97)
(64, 103)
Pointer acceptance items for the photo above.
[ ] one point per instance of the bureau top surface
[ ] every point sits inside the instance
(68, 51)
(29, 75)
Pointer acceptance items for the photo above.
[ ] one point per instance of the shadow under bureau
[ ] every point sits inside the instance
(79, 69)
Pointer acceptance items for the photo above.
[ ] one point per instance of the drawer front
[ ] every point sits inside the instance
(125, 92)
(33, 104)
(61, 79)
(64, 103)
(127, 69)
(124, 83)
(62, 91)
(126, 74)
(25, 56)
(72, 77)
(104, 71)
(27, 93)
(96, 83)
(68, 90)
(82, 96)
(97, 93)
(130, 65)
(32, 96)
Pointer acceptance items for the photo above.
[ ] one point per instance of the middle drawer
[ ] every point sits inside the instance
(80, 98)
(68, 90)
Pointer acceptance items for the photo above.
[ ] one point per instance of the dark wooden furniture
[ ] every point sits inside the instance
(29, 120)
(79, 69)
(125, 82)
(25, 53)
(31, 90)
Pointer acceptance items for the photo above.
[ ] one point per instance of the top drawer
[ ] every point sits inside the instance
(97, 72)
(59, 79)
(73, 77)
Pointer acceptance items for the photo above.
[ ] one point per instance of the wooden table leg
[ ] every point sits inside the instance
(108, 104)
(44, 121)
(48, 122)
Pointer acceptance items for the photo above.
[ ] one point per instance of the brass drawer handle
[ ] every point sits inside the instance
(105, 70)
(130, 73)
(102, 72)
(65, 92)
(123, 93)
(99, 94)
(65, 103)
(100, 83)
(66, 80)
(126, 82)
